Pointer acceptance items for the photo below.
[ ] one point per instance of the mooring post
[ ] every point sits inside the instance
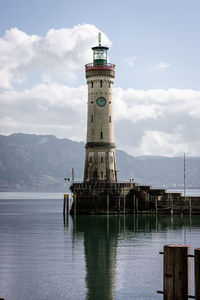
(64, 204)
(74, 203)
(190, 204)
(67, 203)
(176, 272)
(197, 273)
(147, 201)
(134, 203)
(124, 204)
(107, 203)
(119, 205)
(172, 205)
(156, 204)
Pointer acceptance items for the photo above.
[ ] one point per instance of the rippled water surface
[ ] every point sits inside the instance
(43, 256)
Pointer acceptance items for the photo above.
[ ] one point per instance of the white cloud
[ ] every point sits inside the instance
(163, 143)
(162, 66)
(57, 55)
(134, 105)
(164, 122)
(45, 109)
(161, 122)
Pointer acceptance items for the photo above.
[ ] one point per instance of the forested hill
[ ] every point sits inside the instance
(42, 161)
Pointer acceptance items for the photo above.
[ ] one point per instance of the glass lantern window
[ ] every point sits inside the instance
(100, 54)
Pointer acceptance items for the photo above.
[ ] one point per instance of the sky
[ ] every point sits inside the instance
(154, 44)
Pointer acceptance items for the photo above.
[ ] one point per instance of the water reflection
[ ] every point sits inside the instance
(101, 237)
(100, 242)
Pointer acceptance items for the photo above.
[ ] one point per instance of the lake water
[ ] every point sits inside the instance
(43, 256)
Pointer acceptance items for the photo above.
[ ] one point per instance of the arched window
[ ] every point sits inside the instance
(92, 84)
(101, 83)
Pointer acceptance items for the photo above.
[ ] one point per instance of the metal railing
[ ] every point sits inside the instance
(102, 185)
(93, 67)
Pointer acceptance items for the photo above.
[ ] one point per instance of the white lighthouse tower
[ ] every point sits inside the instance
(100, 193)
(100, 161)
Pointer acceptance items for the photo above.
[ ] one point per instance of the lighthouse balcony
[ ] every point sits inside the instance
(94, 67)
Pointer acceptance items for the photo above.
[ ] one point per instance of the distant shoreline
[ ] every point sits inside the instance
(64, 189)
(189, 191)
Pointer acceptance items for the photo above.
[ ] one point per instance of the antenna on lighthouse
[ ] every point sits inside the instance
(99, 37)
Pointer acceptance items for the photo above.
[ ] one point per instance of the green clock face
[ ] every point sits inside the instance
(101, 101)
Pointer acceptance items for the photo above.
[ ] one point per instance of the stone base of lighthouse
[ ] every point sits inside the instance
(113, 198)
(101, 197)
(129, 198)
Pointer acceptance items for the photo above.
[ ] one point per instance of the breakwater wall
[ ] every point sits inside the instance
(129, 197)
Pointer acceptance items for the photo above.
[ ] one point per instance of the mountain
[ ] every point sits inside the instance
(30, 161)
(36, 161)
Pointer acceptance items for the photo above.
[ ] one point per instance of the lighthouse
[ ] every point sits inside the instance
(100, 159)
(100, 192)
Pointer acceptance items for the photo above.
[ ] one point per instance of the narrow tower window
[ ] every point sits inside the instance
(91, 118)
(91, 84)
(109, 84)
(101, 83)
(101, 134)
(101, 174)
(110, 119)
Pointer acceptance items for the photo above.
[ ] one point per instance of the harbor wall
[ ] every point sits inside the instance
(128, 198)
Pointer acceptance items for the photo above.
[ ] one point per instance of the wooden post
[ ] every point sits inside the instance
(172, 205)
(107, 203)
(147, 201)
(176, 272)
(156, 204)
(64, 203)
(67, 203)
(197, 272)
(119, 205)
(136, 205)
(190, 204)
(74, 203)
(124, 204)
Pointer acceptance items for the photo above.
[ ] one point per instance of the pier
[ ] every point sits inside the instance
(101, 192)
(129, 198)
